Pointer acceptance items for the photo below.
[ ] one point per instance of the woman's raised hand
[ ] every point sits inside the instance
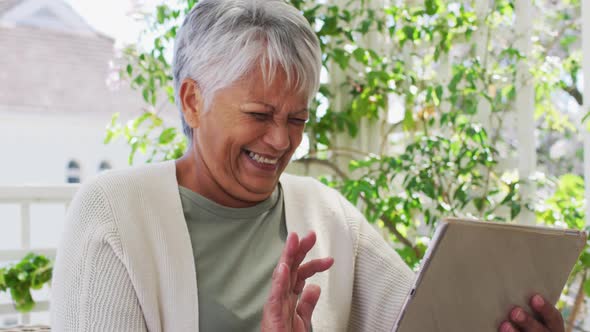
(290, 304)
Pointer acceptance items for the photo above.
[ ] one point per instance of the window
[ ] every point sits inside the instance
(104, 165)
(73, 172)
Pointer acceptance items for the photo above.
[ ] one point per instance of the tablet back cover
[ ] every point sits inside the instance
(478, 271)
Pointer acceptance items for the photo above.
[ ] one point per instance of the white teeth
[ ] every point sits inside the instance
(262, 159)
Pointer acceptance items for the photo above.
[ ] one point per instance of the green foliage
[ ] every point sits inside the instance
(367, 75)
(566, 208)
(446, 163)
(32, 272)
(340, 30)
(436, 176)
(148, 133)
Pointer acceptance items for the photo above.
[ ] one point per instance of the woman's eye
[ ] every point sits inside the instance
(260, 116)
(298, 121)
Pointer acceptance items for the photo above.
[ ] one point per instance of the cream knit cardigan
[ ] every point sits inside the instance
(125, 261)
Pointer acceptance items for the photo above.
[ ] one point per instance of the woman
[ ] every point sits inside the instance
(201, 243)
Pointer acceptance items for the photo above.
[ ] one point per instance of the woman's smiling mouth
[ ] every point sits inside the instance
(263, 162)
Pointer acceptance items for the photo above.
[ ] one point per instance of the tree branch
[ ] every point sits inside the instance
(550, 45)
(575, 93)
(312, 160)
(390, 225)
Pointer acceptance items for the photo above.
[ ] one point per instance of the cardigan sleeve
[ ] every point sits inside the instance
(381, 278)
(91, 289)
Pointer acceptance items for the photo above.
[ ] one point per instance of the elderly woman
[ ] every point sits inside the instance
(209, 242)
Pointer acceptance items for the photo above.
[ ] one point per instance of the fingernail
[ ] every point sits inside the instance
(506, 327)
(538, 301)
(518, 315)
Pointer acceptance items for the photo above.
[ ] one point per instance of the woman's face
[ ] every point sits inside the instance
(249, 133)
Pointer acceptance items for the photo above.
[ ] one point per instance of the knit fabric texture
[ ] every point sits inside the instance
(125, 261)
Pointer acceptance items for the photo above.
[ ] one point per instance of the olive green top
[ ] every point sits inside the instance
(235, 251)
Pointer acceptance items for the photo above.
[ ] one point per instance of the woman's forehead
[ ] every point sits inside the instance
(279, 86)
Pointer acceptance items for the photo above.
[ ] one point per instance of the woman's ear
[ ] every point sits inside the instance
(191, 102)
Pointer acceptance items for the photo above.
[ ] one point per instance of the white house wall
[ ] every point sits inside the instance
(36, 147)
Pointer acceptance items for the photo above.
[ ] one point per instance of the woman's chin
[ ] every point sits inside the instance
(260, 186)
(259, 179)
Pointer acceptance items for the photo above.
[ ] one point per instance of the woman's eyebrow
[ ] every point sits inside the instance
(273, 109)
(267, 106)
(305, 110)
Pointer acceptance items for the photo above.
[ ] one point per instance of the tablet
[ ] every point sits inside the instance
(474, 273)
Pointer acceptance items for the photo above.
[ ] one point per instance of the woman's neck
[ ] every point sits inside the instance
(193, 173)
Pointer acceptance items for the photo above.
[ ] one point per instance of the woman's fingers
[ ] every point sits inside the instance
(279, 288)
(309, 269)
(294, 253)
(314, 266)
(507, 327)
(273, 311)
(526, 322)
(307, 303)
(288, 281)
(550, 315)
(305, 245)
(290, 250)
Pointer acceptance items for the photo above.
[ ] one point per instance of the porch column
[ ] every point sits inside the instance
(586, 70)
(525, 108)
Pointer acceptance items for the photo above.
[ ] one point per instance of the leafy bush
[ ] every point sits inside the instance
(32, 272)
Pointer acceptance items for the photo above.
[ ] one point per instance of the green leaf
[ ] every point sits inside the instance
(140, 119)
(431, 6)
(341, 57)
(108, 137)
(514, 210)
(146, 95)
(365, 26)
(167, 136)
(408, 123)
(161, 13)
(23, 301)
(455, 80)
(2, 279)
(409, 32)
(587, 287)
(360, 55)
(568, 40)
(439, 92)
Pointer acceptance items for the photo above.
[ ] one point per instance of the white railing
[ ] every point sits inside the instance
(24, 197)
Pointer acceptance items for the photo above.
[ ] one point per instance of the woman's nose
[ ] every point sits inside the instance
(277, 137)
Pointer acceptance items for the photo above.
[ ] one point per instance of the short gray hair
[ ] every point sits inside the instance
(221, 41)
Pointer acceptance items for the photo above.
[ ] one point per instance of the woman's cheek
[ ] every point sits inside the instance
(296, 137)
